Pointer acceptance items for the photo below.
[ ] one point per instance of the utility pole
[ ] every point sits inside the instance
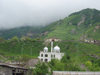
(22, 48)
(31, 50)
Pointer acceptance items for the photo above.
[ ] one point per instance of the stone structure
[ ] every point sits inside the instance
(31, 63)
(46, 56)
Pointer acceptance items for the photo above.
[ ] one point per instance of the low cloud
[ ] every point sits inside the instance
(17, 13)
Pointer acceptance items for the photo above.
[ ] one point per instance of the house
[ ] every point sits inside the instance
(6, 69)
(89, 40)
(50, 39)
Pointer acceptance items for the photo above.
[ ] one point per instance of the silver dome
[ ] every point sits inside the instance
(45, 49)
(56, 49)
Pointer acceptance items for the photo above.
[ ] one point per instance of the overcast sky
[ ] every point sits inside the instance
(17, 13)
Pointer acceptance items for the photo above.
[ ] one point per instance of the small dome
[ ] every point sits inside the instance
(45, 49)
(56, 49)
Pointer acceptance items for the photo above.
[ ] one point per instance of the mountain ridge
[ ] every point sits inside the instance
(80, 25)
(76, 25)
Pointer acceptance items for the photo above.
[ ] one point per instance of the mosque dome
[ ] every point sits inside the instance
(45, 49)
(57, 49)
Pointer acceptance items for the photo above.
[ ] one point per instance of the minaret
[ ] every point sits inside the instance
(52, 45)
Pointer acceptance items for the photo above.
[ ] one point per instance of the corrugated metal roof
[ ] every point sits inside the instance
(76, 72)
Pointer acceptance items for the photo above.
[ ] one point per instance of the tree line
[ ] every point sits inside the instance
(16, 39)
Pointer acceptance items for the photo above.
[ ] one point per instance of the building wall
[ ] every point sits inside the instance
(50, 56)
(43, 57)
(5, 71)
(59, 55)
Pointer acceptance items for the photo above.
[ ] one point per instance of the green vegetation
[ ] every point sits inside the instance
(41, 69)
(77, 52)
(65, 64)
(76, 25)
(31, 32)
(83, 23)
(12, 49)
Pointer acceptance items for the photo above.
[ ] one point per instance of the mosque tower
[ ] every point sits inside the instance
(52, 46)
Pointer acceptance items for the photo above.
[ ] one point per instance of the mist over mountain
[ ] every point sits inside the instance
(79, 25)
(18, 13)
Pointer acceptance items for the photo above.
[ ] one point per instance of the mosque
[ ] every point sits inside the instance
(46, 56)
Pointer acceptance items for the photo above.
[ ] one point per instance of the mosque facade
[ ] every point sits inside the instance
(55, 53)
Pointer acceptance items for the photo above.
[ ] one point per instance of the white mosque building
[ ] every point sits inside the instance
(46, 56)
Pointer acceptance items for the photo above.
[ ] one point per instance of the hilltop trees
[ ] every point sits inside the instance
(2, 40)
(14, 39)
(24, 38)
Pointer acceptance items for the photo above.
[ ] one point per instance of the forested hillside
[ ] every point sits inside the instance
(26, 42)
(27, 31)
(81, 25)
(78, 52)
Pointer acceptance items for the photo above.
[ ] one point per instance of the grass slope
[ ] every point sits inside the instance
(69, 27)
(18, 48)
(22, 31)
(79, 52)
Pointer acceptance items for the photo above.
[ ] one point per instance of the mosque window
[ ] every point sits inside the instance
(41, 55)
(46, 60)
(51, 55)
(41, 59)
(46, 55)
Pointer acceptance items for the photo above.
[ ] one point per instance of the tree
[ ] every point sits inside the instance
(28, 39)
(41, 69)
(34, 40)
(2, 40)
(18, 59)
(25, 38)
(14, 39)
(72, 67)
(64, 65)
(25, 58)
(38, 39)
(65, 58)
(22, 59)
(93, 66)
(88, 63)
(56, 65)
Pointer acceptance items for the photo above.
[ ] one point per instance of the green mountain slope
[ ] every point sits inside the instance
(79, 25)
(28, 31)
(79, 52)
(10, 50)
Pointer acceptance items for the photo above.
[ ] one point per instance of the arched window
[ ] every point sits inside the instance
(46, 55)
(41, 59)
(41, 55)
(46, 60)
